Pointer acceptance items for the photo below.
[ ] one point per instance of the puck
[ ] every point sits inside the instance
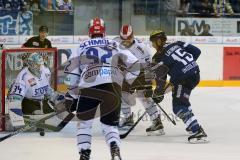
(42, 133)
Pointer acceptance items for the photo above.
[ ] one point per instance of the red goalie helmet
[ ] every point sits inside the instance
(126, 32)
(96, 27)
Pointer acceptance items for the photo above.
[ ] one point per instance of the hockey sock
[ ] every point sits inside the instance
(150, 107)
(111, 134)
(187, 116)
(126, 110)
(84, 135)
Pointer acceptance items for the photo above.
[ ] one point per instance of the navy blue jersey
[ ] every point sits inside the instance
(179, 59)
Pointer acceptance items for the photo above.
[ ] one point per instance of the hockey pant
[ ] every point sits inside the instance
(106, 97)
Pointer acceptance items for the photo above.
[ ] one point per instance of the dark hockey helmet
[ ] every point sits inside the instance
(43, 29)
(158, 34)
(96, 27)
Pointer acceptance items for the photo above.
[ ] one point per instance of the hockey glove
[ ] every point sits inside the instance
(70, 103)
(158, 96)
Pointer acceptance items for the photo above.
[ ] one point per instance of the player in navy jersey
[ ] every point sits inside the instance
(178, 60)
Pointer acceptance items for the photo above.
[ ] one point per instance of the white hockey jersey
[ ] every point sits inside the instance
(29, 86)
(140, 50)
(97, 62)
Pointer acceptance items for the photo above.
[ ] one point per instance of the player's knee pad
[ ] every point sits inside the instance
(128, 98)
(111, 133)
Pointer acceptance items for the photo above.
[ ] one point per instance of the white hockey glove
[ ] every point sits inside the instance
(15, 111)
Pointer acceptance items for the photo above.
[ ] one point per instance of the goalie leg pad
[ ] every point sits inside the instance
(15, 112)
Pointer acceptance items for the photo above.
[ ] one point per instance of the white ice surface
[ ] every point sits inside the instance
(217, 109)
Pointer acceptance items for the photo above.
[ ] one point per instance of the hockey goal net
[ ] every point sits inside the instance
(11, 64)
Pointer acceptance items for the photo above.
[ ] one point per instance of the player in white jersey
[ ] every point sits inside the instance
(141, 84)
(27, 93)
(98, 69)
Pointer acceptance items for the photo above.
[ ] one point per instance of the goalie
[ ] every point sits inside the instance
(30, 93)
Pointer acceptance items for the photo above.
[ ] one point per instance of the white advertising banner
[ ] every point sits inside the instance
(218, 26)
(23, 39)
(9, 40)
(61, 39)
(231, 40)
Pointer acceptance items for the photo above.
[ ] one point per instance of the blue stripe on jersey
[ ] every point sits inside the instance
(17, 111)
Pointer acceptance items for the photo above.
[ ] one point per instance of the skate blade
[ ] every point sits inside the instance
(199, 140)
(159, 132)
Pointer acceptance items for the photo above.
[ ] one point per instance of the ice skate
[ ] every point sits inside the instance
(115, 151)
(126, 123)
(189, 130)
(85, 154)
(198, 137)
(156, 128)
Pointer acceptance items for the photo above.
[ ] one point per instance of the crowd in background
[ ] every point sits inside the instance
(175, 17)
(202, 7)
(36, 5)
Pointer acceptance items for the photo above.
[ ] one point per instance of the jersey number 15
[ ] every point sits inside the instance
(182, 56)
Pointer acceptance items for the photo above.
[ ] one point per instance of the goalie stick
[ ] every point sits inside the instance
(60, 126)
(30, 125)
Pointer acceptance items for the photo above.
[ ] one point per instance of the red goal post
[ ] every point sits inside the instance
(11, 64)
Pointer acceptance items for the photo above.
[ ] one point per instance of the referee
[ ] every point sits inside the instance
(39, 41)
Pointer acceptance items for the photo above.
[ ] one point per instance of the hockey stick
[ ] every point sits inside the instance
(122, 136)
(30, 125)
(172, 120)
(167, 88)
(60, 126)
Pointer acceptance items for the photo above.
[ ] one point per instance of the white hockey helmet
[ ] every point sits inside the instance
(126, 35)
(34, 62)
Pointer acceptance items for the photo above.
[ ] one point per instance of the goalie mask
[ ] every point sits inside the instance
(126, 35)
(35, 61)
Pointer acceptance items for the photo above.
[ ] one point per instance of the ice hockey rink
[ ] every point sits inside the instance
(218, 110)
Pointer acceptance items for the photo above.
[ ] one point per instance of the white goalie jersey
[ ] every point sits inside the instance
(29, 86)
(97, 61)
